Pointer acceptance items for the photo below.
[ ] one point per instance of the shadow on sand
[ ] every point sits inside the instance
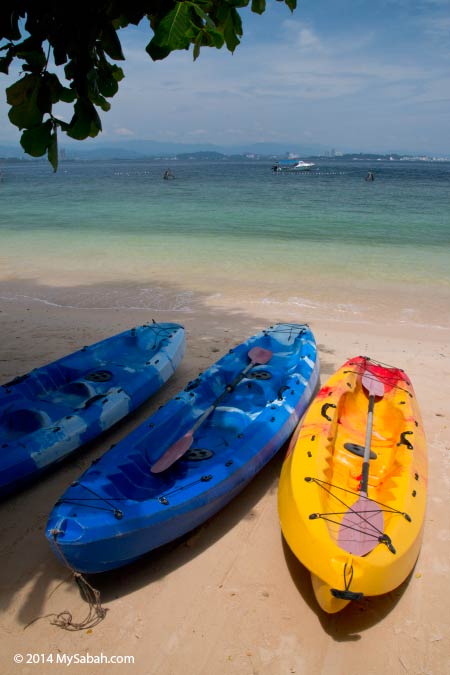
(26, 559)
(348, 624)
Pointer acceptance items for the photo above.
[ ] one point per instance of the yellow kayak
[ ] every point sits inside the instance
(352, 490)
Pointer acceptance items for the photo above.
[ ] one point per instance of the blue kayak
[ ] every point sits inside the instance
(53, 410)
(235, 417)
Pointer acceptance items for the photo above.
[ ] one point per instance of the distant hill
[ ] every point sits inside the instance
(202, 155)
(147, 148)
(141, 149)
(136, 150)
(94, 149)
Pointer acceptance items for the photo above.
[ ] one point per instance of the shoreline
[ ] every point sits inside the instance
(391, 305)
(228, 598)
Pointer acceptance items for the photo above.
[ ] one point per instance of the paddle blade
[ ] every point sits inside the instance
(361, 527)
(259, 355)
(171, 455)
(372, 384)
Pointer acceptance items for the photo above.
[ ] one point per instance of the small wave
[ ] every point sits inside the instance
(298, 302)
(20, 296)
(177, 303)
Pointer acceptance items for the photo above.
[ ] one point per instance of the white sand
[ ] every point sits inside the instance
(231, 598)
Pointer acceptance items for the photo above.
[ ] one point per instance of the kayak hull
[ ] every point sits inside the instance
(53, 410)
(119, 510)
(320, 485)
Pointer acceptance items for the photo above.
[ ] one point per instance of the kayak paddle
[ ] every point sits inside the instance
(258, 356)
(362, 525)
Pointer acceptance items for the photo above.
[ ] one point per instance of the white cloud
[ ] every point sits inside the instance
(198, 132)
(123, 131)
(301, 37)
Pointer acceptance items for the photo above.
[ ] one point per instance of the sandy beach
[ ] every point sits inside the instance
(230, 597)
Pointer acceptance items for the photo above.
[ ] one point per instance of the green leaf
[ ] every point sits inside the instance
(52, 150)
(59, 54)
(69, 71)
(117, 73)
(175, 26)
(85, 121)
(171, 32)
(216, 38)
(44, 95)
(292, 4)
(103, 103)
(231, 25)
(197, 45)
(23, 97)
(259, 6)
(54, 86)
(67, 95)
(21, 90)
(132, 15)
(107, 79)
(111, 43)
(64, 126)
(35, 141)
(35, 59)
(157, 52)
(202, 15)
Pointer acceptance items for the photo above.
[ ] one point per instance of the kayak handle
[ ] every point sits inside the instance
(325, 407)
(346, 595)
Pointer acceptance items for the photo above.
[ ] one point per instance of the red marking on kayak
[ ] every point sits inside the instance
(325, 391)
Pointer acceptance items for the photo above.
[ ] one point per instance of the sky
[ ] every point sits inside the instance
(349, 75)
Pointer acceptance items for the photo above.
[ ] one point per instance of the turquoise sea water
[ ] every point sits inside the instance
(234, 230)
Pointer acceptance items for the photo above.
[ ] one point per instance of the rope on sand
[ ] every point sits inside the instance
(96, 612)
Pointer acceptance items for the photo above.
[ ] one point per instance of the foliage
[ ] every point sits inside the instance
(82, 38)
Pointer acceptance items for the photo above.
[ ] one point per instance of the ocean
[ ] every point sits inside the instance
(231, 234)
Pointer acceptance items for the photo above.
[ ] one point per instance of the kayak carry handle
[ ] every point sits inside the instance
(325, 407)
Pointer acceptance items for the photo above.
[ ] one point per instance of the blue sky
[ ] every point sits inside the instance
(353, 75)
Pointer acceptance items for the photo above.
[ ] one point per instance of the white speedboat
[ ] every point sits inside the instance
(303, 166)
(292, 165)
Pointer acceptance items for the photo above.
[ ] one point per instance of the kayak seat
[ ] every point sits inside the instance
(135, 475)
(78, 389)
(252, 395)
(138, 460)
(27, 421)
(73, 394)
(231, 419)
